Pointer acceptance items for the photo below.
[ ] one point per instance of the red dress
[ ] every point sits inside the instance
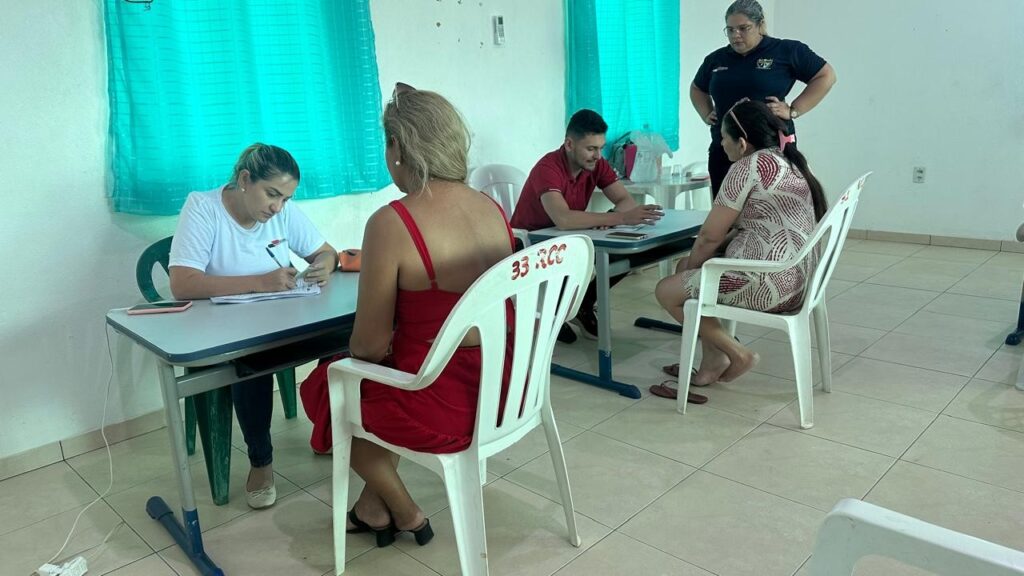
(439, 418)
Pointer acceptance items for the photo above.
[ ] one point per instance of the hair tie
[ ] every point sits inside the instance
(783, 140)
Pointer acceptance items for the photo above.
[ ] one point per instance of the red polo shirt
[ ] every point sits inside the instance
(551, 174)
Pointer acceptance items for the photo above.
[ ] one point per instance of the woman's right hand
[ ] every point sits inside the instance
(278, 280)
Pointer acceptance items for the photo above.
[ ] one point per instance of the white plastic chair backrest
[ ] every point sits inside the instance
(501, 182)
(541, 281)
(836, 223)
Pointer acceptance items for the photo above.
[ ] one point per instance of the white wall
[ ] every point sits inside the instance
(700, 33)
(921, 83)
(68, 259)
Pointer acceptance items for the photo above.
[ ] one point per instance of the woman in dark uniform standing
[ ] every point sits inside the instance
(759, 67)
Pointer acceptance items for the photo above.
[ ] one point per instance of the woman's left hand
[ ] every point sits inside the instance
(778, 107)
(320, 270)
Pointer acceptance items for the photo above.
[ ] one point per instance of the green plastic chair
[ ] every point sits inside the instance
(210, 411)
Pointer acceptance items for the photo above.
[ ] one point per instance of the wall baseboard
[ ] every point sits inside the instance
(949, 241)
(54, 452)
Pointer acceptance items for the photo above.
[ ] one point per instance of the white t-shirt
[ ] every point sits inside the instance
(210, 240)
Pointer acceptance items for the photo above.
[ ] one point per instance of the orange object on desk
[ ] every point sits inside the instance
(350, 260)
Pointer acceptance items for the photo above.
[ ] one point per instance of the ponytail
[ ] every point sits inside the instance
(763, 129)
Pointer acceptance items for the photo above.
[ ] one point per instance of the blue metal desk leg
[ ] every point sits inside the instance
(189, 536)
(604, 340)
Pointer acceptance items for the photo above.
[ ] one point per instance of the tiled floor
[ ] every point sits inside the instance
(923, 419)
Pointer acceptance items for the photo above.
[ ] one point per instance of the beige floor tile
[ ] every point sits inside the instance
(28, 548)
(534, 444)
(767, 535)
(754, 396)
(876, 566)
(950, 254)
(33, 496)
(800, 467)
(600, 467)
(868, 314)
(974, 307)
(938, 275)
(388, 561)
(582, 354)
(149, 456)
(1004, 365)
(526, 535)
(869, 259)
(977, 451)
(131, 503)
(991, 281)
(930, 352)
(294, 537)
(693, 438)
(991, 403)
(975, 508)
(1012, 260)
(956, 328)
(883, 247)
(854, 272)
(837, 287)
(777, 360)
(908, 298)
(295, 460)
(844, 338)
(151, 565)
(621, 555)
(907, 385)
(584, 405)
(858, 421)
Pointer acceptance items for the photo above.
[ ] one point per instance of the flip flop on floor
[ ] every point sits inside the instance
(673, 371)
(664, 391)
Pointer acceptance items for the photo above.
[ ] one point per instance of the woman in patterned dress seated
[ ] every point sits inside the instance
(772, 202)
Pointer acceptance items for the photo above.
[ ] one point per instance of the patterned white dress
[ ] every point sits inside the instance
(776, 219)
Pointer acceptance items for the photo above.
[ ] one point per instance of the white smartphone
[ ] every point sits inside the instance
(160, 307)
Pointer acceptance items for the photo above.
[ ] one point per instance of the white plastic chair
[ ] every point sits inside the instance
(699, 168)
(797, 325)
(503, 183)
(540, 281)
(854, 529)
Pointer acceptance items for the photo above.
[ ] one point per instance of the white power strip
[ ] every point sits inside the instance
(74, 567)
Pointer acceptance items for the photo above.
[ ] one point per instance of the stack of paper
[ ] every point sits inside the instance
(301, 289)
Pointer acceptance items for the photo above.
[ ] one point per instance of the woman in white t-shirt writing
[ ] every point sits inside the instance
(236, 239)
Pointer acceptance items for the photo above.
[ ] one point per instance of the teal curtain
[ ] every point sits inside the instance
(193, 82)
(622, 60)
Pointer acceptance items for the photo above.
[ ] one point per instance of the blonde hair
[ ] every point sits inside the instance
(265, 161)
(433, 141)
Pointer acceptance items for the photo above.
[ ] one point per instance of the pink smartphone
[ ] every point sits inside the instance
(160, 307)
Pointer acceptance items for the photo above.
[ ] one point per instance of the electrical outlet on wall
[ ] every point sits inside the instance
(499, 30)
(918, 174)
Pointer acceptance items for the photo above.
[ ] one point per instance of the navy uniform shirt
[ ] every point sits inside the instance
(770, 69)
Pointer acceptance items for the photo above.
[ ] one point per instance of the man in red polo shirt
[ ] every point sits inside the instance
(559, 188)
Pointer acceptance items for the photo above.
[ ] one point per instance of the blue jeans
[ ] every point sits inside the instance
(254, 404)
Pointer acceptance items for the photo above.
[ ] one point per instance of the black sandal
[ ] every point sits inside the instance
(385, 536)
(423, 534)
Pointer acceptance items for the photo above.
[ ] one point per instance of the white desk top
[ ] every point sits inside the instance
(675, 225)
(217, 332)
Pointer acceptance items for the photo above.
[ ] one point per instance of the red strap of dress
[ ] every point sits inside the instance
(417, 239)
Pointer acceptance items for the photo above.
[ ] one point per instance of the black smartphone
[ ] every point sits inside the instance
(621, 235)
